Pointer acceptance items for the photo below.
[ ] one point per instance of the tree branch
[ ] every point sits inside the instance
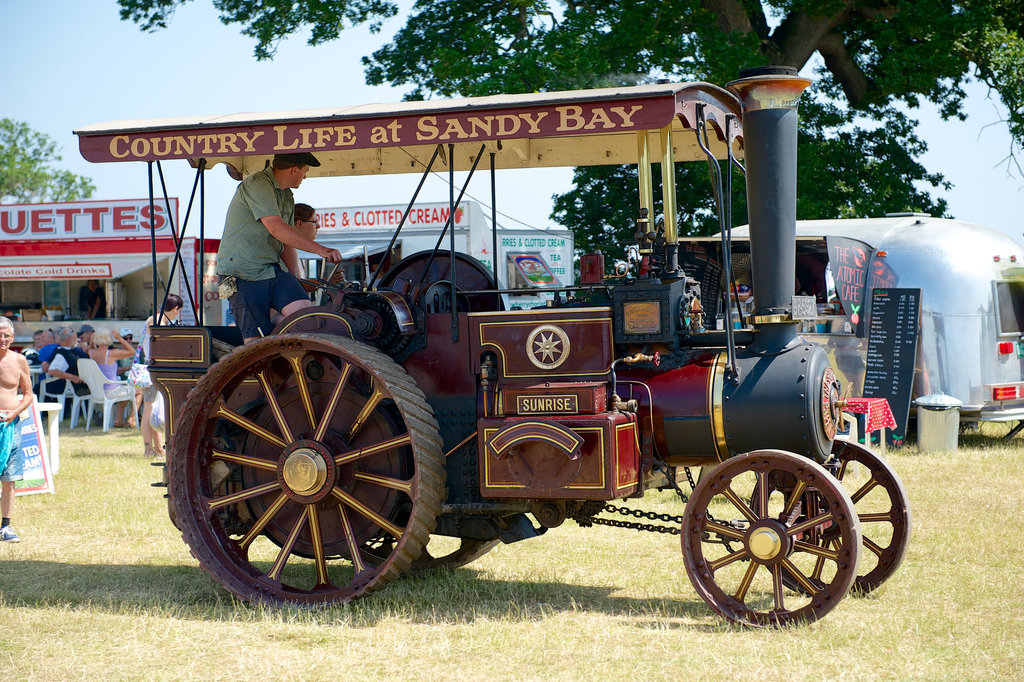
(800, 35)
(838, 61)
(731, 15)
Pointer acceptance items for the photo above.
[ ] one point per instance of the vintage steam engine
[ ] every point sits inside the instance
(314, 465)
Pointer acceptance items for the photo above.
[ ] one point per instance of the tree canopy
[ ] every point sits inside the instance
(26, 175)
(872, 60)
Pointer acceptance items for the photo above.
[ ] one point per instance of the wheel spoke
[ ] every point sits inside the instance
(819, 568)
(262, 521)
(378, 448)
(794, 498)
(350, 539)
(300, 381)
(777, 587)
(816, 550)
(748, 579)
(250, 426)
(364, 414)
(820, 519)
(386, 481)
(358, 506)
(740, 505)
(877, 517)
(798, 575)
(722, 529)
(275, 407)
(728, 559)
(332, 404)
(244, 460)
(247, 494)
(323, 580)
(872, 545)
(286, 549)
(864, 490)
(762, 493)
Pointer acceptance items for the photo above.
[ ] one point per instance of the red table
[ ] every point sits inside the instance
(877, 416)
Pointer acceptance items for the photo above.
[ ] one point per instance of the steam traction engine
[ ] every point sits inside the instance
(314, 465)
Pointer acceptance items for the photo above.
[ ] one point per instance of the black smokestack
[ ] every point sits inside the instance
(769, 96)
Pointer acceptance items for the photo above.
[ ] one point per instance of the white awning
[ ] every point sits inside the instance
(100, 266)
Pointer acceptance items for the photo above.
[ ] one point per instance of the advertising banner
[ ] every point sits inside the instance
(849, 259)
(77, 220)
(38, 477)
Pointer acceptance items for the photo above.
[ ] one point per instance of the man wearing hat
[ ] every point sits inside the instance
(258, 250)
(85, 338)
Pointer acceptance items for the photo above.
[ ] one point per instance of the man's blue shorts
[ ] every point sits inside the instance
(252, 301)
(13, 460)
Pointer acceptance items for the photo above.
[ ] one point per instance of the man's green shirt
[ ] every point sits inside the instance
(247, 249)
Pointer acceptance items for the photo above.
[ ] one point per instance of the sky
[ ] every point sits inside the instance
(70, 63)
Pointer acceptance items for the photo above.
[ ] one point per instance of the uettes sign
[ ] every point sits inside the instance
(84, 220)
(350, 132)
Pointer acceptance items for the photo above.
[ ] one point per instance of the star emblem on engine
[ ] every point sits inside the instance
(547, 346)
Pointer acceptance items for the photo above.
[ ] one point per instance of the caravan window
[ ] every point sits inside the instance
(1010, 297)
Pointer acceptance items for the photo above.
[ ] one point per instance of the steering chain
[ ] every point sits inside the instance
(653, 516)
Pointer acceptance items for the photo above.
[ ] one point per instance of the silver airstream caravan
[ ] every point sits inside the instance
(971, 339)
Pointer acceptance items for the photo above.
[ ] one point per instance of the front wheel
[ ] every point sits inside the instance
(883, 508)
(756, 522)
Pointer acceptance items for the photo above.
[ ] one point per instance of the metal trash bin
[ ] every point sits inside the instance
(938, 423)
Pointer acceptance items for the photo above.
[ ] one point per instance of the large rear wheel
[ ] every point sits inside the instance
(306, 470)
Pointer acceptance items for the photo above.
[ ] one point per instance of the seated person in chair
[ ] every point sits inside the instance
(65, 363)
(106, 358)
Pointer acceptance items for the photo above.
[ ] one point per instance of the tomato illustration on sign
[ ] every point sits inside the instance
(859, 257)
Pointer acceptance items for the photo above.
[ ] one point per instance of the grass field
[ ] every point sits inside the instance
(102, 587)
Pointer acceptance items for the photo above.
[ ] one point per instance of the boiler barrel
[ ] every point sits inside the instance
(697, 416)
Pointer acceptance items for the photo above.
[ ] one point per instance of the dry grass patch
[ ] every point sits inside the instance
(102, 586)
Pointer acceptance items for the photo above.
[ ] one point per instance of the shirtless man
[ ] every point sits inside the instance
(15, 396)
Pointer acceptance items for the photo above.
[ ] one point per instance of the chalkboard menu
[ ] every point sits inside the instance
(892, 351)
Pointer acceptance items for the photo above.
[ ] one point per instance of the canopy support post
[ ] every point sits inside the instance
(405, 216)
(668, 201)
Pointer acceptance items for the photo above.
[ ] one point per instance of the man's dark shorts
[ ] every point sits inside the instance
(252, 301)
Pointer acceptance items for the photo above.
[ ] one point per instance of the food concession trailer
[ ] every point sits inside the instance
(50, 251)
(531, 259)
(970, 330)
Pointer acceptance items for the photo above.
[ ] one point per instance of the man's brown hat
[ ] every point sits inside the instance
(301, 159)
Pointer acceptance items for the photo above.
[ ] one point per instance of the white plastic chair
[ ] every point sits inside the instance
(78, 402)
(93, 377)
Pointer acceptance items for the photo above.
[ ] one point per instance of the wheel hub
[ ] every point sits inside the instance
(764, 543)
(306, 471)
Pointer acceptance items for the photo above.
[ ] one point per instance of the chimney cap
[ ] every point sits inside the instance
(768, 71)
